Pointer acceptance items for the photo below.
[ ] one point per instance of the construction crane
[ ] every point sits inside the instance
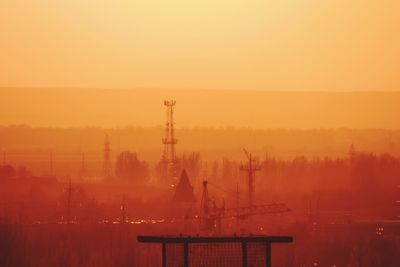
(211, 216)
(251, 167)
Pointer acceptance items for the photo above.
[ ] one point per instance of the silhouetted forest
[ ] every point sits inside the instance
(52, 213)
(340, 183)
(26, 145)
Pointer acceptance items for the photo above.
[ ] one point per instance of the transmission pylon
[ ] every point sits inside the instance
(51, 163)
(205, 223)
(82, 171)
(169, 141)
(250, 167)
(106, 159)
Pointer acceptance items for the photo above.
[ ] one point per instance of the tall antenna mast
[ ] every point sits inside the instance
(106, 160)
(251, 167)
(169, 141)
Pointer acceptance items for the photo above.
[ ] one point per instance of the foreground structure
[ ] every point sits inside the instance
(207, 251)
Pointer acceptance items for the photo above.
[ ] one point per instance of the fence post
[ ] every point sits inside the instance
(244, 253)
(186, 254)
(268, 261)
(164, 255)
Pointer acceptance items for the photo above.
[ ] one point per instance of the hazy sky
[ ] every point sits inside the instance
(273, 45)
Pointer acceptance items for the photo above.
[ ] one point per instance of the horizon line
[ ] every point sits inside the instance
(201, 89)
(222, 127)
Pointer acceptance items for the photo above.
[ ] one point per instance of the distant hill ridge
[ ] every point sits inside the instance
(199, 108)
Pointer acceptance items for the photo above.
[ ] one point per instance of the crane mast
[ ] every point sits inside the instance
(211, 217)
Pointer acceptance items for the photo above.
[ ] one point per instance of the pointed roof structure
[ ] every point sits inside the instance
(184, 190)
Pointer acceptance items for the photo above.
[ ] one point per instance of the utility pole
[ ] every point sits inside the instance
(83, 167)
(237, 201)
(397, 203)
(82, 171)
(69, 196)
(123, 210)
(169, 141)
(251, 167)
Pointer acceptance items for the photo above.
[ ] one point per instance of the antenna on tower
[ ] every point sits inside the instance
(251, 167)
(169, 141)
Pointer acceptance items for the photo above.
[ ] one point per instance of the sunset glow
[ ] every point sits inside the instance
(156, 133)
(269, 45)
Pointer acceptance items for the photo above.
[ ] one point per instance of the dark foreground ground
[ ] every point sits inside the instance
(359, 245)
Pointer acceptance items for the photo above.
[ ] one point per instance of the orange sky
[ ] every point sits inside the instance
(273, 45)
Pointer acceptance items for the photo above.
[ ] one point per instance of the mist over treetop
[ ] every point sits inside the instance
(212, 143)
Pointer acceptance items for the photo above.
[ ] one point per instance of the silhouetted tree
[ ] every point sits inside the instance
(364, 172)
(214, 171)
(130, 169)
(7, 171)
(161, 171)
(22, 172)
(191, 163)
